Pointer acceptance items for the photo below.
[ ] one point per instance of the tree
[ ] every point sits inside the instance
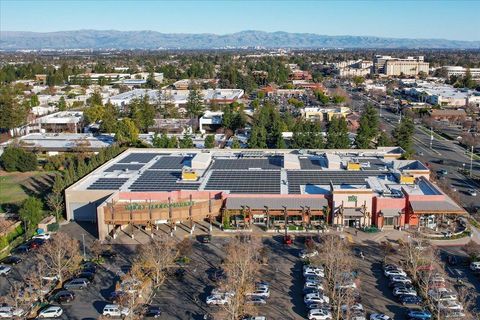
(31, 212)
(143, 113)
(109, 118)
(62, 104)
(96, 99)
(321, 97)
(384, 140)
(403, 135)
(337, 134)
(235, 143)
(94, 113)
(158, 257)
(241, 266)
(210, 141)
(358, 80)
(126, 133)
(194, 103)
(34, 101)
(12, 113)
(368, 129)
(56, 204)
(186, 142)
(61, 255)
(17, 159)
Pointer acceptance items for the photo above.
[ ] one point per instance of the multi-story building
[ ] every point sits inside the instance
(273, 188)
(443, 94)
(390, 66)
(324, 114)
(461, 72)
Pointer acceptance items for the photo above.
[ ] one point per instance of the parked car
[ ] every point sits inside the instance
(442, 294)
(316, 298)
(419, 315)
(472, 192)
(21, 249)
(287, 240)
(87, 275)
(11, 312)
(314, 272)
(76, 284)
(63, 296)
(114, 310)
(35, 243)
(206, 238)
(399, 279)
(255, 300)
(260, 292)
(4, 270)
(452, 260)
(152, 312)
(379, 316)
(319, 306)
(108, 254)
(43, 236)
(308, 254)
(393, 273)
(319, 314)
(313, 285)
(310, 290)
(450, 305)
(404, 291)
(410, 300)
(217, 299)
(51, 312)
(254, 318)
(116, 296)
(12, 260)
(313, 279)
(475, 266)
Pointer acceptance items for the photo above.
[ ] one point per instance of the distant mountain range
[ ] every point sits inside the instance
(112, 39)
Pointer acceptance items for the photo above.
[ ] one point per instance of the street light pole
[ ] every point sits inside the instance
(431, 137)
(471, 162)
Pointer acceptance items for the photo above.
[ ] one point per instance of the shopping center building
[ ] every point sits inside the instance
(269, 188)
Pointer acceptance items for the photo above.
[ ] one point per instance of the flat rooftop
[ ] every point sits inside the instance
(238, 172)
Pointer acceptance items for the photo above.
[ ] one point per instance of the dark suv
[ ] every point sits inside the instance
(63, 296)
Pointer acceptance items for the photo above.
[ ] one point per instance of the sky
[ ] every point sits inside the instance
(456, 20)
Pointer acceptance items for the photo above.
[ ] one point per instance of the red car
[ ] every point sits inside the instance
(287, 240)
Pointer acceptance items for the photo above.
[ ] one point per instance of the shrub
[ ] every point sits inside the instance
(52, 227)
(17, 159)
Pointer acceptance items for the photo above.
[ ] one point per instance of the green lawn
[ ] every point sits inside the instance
(16, 186)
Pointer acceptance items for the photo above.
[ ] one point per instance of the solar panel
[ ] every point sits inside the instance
(310, 163)
(170, 162)
(156, 180)
(139, 157)
(245, 181)
(107, 184)
(125, 167)
(298, 178)
(270, 163)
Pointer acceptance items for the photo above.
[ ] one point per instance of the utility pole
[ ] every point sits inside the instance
(431, 137)
(400, 120)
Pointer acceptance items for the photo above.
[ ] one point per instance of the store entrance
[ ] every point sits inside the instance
(352, 222)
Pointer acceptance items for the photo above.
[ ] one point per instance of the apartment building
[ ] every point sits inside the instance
(461, 72)
(391, 66)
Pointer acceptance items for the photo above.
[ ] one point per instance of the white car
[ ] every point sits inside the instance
(450, 305)
(114, 310)
(316, 298)
(353, 307)
(319, 314)
(11, 312)
(306, 254)
(475, 266)
(313, 279)
(442, 294)
(313, 272)
(379, 316)
(401, 279)
(255, 318)
(313, 285)
(347, 285)
(4, 270)
(472, 192)
(307, 267)
(43, 236)
(393, 273)
(260, 292)
(217, 300)
(219, 292)
(51, 312)
(404, 291)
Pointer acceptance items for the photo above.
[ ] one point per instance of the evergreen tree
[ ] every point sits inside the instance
(337, 134)
(368, 130)
(235, 143)
(186, 142)
(31, 212)
(126, 133)
(210, 142)
(194, 103)
(403, 135)
(62, 104)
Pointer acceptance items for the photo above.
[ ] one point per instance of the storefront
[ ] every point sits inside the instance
(352, 207)
(428, 214)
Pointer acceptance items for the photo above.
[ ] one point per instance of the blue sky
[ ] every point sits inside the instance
(457, 20)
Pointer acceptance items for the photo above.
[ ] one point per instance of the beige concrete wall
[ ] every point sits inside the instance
(86, 196)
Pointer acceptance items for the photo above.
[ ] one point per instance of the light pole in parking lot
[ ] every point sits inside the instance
(431, 137)
(471, 162)
(83, 243)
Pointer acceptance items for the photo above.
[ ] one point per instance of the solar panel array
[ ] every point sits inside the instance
(107, 184)
(138, 157)
(245, 181)
(310, 163)
(298, 178)
(270, 163)
(125, 166)
(170, 162)
(157, 180)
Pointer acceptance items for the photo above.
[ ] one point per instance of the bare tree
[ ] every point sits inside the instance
(337, 259)
(158, 257)
(241, 266)
(61, 255)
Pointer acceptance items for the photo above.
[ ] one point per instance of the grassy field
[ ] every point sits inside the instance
(16, 187)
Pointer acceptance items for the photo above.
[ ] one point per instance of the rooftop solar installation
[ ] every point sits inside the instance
(107, 184)
(170, 162)
(156, 180)
(125, 167)
(310, 163)
(270, 163)
(242, 181)
(298, 178)
(138, 157)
